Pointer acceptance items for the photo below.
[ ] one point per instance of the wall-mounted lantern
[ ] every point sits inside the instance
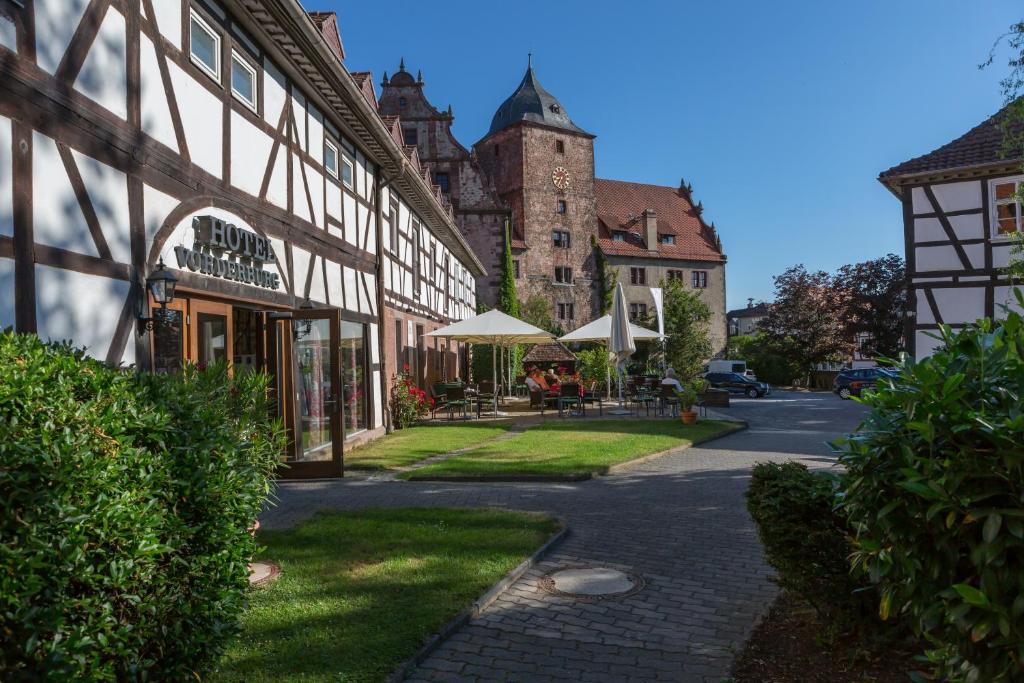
(302, 327)
(160, 285)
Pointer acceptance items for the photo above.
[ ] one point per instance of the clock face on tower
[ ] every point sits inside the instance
(560, 177)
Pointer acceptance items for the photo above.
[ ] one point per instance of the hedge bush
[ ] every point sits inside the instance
(935, 491)
(806, 541)
(125, 504)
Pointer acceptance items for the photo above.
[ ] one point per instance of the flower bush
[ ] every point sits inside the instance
(934, 490)
(125, 505)
(409, 403)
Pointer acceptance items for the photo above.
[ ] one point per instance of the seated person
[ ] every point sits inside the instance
(671, 380)
(538, 377)
(532, 384)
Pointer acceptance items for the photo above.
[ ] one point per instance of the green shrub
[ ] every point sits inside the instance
(806, 541)
(770, 360)
(593, 364)
(125, 502)
(935, 491)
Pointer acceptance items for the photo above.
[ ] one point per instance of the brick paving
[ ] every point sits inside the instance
(679, 521)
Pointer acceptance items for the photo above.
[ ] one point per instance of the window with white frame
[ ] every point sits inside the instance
(331, 158)
(1005, 205)
(348, 171)
(243, 80)
(204, 46)
(700, 279)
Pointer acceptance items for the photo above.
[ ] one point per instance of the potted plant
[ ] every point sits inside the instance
(687, 396)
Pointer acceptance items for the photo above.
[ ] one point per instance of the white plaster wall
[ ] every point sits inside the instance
(937, 258)
(6, 179)
(8, 34)
(371, 238)
(959, 305)
(317, 286)
(378, 412)
(80, 307)
(349, 206)
(300, 206)
(334, 284)
(1004, 296)
(274, 93)
(300, 268)
(371, 284)
(104, 75)
(968, 227)
(299, 112)
(56, 21)
(108, 190)
(201, 114)
(919, 201)
(975, 255)
(167, 14)
(1000, 253)
(277, 188)
(928, 230)
(924, 310)
(7, 289)
(156, 207)
(316, 193)
(250, 152)
(958, 196)
(333, 208)
(156, 113)
(362, 213)
(56, 216)
(351, 298)
(925, 344)
(316, 135)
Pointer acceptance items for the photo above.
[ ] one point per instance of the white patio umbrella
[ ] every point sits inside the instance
(620, 344)
(497, 329)
(600, 330)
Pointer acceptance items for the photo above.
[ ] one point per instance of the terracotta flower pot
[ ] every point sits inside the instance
(689, 417)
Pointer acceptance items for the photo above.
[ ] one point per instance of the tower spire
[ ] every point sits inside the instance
(401, 64)
(529, 60)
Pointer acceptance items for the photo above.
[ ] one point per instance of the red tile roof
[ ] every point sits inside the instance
(620, 206)
(327, 22)
(980, 146)
(364, 79)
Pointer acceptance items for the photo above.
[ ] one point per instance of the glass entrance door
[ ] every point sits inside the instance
(211, 339)
(316, 410)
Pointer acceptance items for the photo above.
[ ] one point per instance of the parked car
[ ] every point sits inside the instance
(853, 382)
(736, 383)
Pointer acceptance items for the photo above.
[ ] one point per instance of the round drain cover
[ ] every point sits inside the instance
(591, 583)
(262, 573)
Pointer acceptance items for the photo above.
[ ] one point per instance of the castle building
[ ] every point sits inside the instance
(535, 169)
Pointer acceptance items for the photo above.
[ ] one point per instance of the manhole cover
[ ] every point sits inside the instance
(262, 573)
(591, 583)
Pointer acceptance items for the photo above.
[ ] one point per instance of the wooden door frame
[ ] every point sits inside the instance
(335, 467)
(197, 306)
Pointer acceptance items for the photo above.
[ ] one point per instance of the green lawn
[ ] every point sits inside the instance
(569, 448)
(408, 446)
(360, 592)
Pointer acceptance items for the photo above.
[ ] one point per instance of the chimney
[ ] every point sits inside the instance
(651, 229)
(750, 302)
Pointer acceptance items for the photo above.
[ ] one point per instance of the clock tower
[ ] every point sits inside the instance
(542, 166)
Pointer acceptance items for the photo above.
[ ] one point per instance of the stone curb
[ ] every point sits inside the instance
(738, 425)
(478, 606)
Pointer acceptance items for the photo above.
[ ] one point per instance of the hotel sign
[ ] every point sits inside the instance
(224, 250)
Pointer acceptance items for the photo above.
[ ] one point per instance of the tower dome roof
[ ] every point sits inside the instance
(531, 102)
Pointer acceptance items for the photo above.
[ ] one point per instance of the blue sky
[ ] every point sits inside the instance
(781, 114)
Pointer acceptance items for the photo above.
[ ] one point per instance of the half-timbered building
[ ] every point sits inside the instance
(222, 142)
(959, 214)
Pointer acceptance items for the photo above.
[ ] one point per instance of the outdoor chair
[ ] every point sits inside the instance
(594, 394)
(456, 400)
(437, 392)
(668, 399)
(485, 395)
(570, 394)
(640, 396)
(519, 388)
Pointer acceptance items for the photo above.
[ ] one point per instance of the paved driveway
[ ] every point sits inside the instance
(678, 521)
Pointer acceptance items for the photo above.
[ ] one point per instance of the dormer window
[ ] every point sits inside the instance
(618, 236)
(555, 108)
(667, 239)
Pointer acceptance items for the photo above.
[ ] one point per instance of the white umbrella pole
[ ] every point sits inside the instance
(494, 376)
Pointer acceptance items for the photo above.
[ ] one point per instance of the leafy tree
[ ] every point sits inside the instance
(1012, 87)
(607, 277)
(770, 359)
(508, 301)
(878, 302)
(687, 318)
(537, 311)
(807, 316)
